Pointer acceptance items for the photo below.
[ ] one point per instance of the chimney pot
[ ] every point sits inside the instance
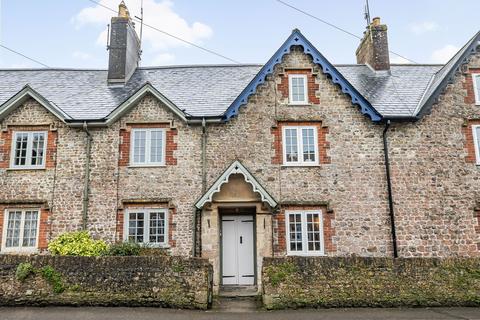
(376, 21)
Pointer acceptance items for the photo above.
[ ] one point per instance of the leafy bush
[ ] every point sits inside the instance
(78, 243)
(24, 269)
(124, 249)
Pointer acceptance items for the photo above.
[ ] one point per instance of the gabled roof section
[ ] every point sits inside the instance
(295, 39)
(446, 75)
(132, 101)
(235, 168)
(23, 95)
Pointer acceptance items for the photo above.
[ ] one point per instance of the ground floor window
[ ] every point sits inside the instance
(20, 232)
(148, 226)
(304, 232)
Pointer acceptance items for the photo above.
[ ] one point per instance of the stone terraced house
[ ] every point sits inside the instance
(238, 162)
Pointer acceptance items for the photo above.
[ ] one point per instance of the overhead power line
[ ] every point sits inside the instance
(25, 56)
(335, 26)
(171, 35)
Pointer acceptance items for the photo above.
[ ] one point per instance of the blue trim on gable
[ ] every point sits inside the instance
(298, 39)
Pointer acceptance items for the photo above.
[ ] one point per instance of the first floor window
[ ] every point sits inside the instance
(304, 232)
(476, 141)
(298, 91)
(476, 87)
(20, 230)
(147, 226)
(28, 149)
(148, 147)
(300, 146)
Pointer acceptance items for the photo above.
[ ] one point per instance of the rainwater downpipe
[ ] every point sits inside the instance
(389, 188)
(86, 186)
(204, 183)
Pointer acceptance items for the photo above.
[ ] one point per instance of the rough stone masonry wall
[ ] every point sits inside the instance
(58, 187)
(365, 282)
(109, 281)
(436, 185)
(351, 182)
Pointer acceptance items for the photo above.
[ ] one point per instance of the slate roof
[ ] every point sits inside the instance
(407, 91)
(84, 94)
(394, 94)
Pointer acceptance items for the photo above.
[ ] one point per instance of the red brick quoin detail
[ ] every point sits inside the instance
(44, 230)
(468, 85)
(171, 217)
(312, 88)
(469, 143)
(280, 236)
(170, 147)
(323, 144)
(6, 140)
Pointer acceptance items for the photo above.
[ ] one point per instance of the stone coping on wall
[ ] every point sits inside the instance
(296, 282)
(160, 281)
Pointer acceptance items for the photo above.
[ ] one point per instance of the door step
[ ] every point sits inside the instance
(238, 291)
(236, 304)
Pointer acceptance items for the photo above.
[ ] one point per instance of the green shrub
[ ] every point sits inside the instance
(78, 243)
(54, 278)
(24, 269)
(124, 249)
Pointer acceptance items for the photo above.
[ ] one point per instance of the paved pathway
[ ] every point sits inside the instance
(94, 313)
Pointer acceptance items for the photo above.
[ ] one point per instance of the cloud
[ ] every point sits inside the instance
(81, 55)
(444, 54)
(157, 14)
(423, 27)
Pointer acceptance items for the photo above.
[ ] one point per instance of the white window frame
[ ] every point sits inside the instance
(476, 88)
(29, 150)
(290, 89)
(148, 140)
(146, 226)
(475, 142)
(305, 251)
(300, 161)
(20, 249)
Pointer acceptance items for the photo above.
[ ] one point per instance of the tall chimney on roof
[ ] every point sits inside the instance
(373, 48)
(124, 47)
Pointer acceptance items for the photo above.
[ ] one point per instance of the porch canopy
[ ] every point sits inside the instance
(236, 168)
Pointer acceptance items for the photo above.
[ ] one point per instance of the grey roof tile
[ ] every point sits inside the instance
(204, 90)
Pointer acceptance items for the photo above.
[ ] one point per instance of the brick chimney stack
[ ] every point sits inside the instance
(373, 48)
(124, 47)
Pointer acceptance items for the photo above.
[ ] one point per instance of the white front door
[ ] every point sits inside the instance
(238, 266)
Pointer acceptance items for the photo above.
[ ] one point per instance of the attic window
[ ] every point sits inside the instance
(298, 89)
(476, 87)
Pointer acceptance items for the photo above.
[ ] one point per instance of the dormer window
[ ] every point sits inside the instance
(476, 87)
(298, 89)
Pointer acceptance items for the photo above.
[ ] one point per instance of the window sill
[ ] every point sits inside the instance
(26, 169)
(316, 165)
(306, 104)
(19, 251)
(306, 254)
(147, 166)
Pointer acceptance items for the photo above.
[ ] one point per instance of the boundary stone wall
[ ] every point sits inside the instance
(107, 281)
(296, 282)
